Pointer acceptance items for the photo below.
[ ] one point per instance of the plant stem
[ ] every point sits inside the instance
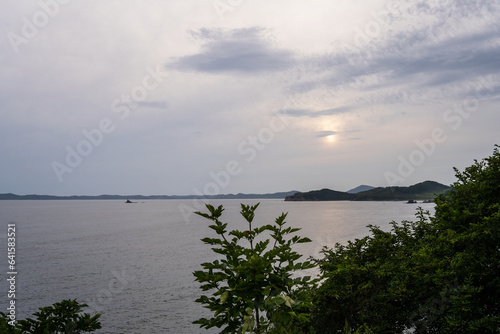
(257, 319)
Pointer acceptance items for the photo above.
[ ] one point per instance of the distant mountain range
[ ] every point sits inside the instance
(278, 195)
(420, 191)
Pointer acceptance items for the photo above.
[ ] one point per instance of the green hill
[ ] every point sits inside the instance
(420, 191)
(321, 195)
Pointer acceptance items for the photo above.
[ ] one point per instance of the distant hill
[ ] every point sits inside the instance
(420, 191)
(278, 195)
(360, 188)
(321, 195)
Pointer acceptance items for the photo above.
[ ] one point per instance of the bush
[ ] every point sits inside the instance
(252, 283)
(439, 274)
(63, 317)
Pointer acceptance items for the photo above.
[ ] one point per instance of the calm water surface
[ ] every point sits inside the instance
(133, 263)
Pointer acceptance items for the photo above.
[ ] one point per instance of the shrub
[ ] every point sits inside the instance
(63, 317)
(252, 283)
(439, 274)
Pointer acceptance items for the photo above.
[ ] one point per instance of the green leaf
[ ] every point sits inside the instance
(224, 297)
(289, 301)
(280, 299)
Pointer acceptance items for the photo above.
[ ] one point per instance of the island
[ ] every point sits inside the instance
(424, 191)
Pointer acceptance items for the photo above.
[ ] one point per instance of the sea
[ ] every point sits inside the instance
(134, 263)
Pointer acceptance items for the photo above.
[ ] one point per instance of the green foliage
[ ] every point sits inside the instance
(63, 317)
(370, 282)
(439, 274)
(252, 282)
(424, 190)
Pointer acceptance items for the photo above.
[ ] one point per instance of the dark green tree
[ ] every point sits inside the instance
(63, 317)
(253, 289)
(467, 221)
(439, 274)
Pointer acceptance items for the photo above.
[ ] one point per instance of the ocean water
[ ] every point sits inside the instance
(133, 263)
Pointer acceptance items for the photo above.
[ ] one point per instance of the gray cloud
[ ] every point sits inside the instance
(237, 50)
(322, 134)
(153, 104)
(310, 113)
(452, 60)
(437, 53)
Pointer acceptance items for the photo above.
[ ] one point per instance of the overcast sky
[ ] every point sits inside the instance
(227, 96)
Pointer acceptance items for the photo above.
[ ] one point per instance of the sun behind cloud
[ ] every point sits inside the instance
(327, 136)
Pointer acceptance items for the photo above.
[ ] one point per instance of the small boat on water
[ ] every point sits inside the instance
(411, 201)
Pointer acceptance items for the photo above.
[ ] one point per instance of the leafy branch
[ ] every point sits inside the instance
(254, 285)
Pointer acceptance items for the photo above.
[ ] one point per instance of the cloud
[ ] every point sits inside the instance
(449, 61)
(237, 50)
(322, 134)
(310, 113)
(153, 104)
(306, 63)
(428, 46)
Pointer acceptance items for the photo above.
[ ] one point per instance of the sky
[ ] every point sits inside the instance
(227, 96)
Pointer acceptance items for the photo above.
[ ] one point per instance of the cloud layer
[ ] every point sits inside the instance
(159, 98)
